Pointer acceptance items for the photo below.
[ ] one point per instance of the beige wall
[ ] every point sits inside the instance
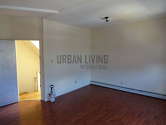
(64, 39)
(20, 27)
(137, 53)
(27, 66)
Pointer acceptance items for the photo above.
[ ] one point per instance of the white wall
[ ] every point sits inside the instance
(137, 52)
(8, 78)
(20, 28)
(28, 66)
(64, 39)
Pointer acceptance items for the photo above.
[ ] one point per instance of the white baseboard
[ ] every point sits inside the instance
(141, 92)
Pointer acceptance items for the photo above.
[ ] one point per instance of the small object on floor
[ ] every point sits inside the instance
(51, 95)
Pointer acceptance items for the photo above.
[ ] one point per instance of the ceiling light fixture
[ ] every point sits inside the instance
(107, 19)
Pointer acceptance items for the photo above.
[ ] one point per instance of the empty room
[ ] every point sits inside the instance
(80, 62)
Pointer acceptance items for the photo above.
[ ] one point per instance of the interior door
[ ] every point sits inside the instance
(8, 77)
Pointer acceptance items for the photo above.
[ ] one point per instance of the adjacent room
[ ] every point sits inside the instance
(79, 62)
(28, 69)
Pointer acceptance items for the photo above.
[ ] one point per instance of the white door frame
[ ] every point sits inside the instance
(42, 75)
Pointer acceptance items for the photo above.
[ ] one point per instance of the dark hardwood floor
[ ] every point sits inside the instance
(90, 105)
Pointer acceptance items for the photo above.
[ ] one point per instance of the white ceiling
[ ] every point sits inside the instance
(87, 12)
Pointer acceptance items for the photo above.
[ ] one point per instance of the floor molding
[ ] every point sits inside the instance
(141, 92)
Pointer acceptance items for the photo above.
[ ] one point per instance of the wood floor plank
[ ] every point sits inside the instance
(90, 105)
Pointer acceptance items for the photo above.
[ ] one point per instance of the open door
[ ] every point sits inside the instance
(28, 78)
(8, 77)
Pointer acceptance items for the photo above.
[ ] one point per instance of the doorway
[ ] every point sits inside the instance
(28, 69)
